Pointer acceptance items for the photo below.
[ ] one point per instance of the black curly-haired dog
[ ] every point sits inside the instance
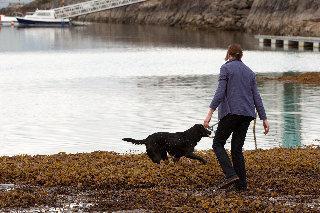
(177, 144)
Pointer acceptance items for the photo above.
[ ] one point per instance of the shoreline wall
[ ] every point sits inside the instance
(272, 17)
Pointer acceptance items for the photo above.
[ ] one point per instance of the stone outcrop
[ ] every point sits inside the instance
(199, 14)
(289, 17)
(203, 14)
(273, 17)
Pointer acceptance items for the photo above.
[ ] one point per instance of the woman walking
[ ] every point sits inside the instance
(236, 98)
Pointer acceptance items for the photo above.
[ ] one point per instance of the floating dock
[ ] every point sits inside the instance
(289, 41)
(8, 21)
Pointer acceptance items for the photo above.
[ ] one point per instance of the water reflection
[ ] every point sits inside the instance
(113, 35)
(291, 116)
(167, 36)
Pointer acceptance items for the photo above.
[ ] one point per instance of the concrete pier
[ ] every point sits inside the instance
(289, 41)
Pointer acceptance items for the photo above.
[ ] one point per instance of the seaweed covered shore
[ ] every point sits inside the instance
(286, 180)
(299, 78)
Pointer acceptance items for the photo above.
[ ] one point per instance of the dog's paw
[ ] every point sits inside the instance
(175, 160)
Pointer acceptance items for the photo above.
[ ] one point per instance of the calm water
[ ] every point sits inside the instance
(83, 89)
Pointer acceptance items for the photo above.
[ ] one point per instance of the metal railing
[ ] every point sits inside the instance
(90, 7)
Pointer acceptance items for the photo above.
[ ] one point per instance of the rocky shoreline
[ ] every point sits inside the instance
(273, 17)
(278, 17)
(194, 14)
(205, 14)
(279, 180)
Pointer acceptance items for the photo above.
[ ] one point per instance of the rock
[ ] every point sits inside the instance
(244, 12)
(241, 5)
(284, 17)
(6, 187)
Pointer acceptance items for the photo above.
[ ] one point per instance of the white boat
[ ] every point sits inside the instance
(43, 18)
(8, 20)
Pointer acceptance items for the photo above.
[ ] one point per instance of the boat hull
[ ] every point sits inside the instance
(43, 23)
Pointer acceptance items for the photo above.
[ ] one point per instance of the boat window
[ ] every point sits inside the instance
(43, 14)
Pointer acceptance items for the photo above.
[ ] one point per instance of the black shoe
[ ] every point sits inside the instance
(227, 182)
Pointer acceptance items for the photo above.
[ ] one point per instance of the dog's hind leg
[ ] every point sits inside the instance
(164, 156)
(155, 157)
(196, 157)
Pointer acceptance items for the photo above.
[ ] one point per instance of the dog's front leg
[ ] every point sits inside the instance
(196, 157)
(175, 159)
(166, 161)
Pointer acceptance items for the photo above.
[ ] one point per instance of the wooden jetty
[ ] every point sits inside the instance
(289, 41)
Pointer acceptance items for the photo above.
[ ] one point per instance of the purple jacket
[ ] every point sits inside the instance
(237, 92)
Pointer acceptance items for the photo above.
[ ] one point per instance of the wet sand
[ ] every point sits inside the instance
(279, 180)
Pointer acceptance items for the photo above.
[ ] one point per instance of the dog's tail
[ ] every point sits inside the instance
(133, 141)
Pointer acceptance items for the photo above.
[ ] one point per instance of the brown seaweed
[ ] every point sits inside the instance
(312, 78)
(279, 180)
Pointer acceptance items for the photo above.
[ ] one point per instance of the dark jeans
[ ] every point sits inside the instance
(238, 125)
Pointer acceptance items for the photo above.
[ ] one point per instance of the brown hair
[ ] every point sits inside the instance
(235, 51)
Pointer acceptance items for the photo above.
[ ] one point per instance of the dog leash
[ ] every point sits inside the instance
(211, 128)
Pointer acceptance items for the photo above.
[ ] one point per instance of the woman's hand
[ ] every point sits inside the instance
(208, 118)
(266, 126)
(206, 121)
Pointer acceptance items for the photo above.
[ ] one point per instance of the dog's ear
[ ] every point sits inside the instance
(198, 127)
